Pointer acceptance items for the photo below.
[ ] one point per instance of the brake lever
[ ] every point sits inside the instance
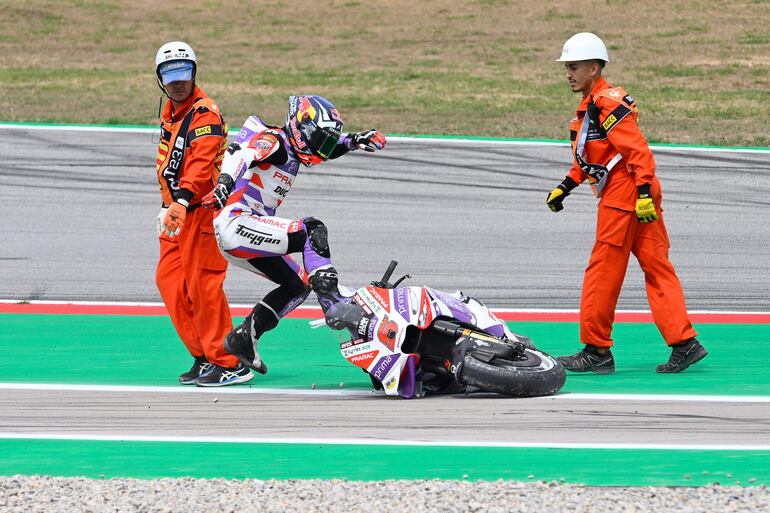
(400, 280)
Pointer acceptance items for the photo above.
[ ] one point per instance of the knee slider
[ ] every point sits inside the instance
(319, 236)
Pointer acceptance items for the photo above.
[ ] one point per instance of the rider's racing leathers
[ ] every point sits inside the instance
(263, 167)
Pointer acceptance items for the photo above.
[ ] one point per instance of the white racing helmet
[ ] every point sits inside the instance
(584, 46)
(175, 61)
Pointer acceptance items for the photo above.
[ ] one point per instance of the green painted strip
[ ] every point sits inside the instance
(234, 129)
(22, 124)
(86, 349)
(148, 460)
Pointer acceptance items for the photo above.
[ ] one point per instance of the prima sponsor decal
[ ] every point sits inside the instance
(401, 302)
(383, 366)
(371, 328)
(255, 236)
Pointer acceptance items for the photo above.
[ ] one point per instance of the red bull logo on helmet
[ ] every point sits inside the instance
(306, 109)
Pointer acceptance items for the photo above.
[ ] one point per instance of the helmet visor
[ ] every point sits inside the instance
(321, 141)
(175, 71)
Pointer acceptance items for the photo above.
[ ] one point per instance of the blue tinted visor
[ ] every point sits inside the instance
(175, 71)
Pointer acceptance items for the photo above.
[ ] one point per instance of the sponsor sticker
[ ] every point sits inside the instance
(255, 236)
(356, 349)
(383, 366)
(382, 296)
(611, 119)
(204, 130)
(401, 302)
(363, 360)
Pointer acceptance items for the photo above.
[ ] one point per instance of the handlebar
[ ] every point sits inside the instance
(389, 271)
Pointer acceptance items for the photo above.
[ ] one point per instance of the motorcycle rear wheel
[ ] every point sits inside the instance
(535, 374)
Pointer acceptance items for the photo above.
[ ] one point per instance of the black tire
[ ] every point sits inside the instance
(536, 375)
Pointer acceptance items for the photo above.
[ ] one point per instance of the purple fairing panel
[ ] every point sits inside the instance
(408, 382)
(383, 366)
(401, 302)
(457, 308)
(496, 330)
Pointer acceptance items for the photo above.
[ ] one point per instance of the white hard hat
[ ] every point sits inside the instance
(174, 51)
(175, 61)
(584, 46)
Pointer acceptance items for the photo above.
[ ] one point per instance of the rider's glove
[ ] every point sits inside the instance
(645, 207)
(369, 140)
(556, 196)
(217, 197)
(174, 220)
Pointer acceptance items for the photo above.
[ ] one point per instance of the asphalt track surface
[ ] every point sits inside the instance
(78, 211)
(79, 207)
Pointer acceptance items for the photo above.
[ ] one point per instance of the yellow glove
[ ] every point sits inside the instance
(554, 199)
(174, 221)
(645, 207)
(556, 196)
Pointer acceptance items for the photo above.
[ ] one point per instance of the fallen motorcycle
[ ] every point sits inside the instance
(414, 341)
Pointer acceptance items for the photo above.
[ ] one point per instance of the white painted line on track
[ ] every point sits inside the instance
(391, 138)
(180, 389)
(382, 442)
(567, 396)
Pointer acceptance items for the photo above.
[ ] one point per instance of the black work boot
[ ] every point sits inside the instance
(682, 356)
(589, 360)
(199, 367)
(242, 345)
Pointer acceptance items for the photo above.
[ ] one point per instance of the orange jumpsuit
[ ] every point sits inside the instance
(618, 233)
(191, 269)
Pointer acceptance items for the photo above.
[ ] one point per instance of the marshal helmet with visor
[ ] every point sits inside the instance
(314, 127)
(175, 62)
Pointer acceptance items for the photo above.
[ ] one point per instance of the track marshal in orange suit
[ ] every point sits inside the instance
(611, 154)
(191, 270)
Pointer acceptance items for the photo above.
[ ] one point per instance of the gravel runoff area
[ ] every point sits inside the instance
(56, 494)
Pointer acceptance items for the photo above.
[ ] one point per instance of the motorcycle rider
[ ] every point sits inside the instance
(258, 171)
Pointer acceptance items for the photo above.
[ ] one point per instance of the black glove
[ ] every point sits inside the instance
(370, 140)
(217, 198)
(556, 196)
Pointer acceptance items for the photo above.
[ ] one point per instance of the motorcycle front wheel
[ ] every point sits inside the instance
(530, 374)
